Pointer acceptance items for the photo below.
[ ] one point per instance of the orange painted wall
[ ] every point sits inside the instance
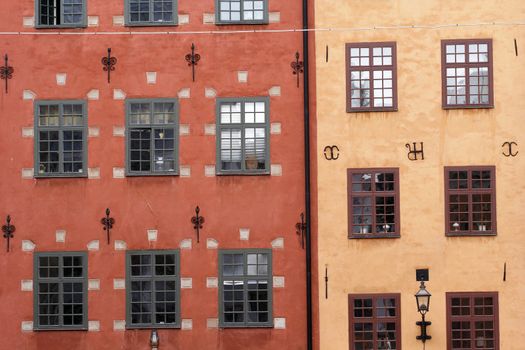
(268, 205)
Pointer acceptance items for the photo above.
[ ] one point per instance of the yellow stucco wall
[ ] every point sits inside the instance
(451, 137)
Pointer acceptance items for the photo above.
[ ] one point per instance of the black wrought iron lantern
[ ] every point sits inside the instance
(423, 306)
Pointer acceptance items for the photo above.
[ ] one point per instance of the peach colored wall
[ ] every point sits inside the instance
(268, 205)
(453, 137)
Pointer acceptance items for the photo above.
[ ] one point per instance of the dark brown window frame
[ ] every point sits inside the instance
(397, 220)
(470, 192)
(374, 319)
(466, 65)
(471, 318)
(371, 69)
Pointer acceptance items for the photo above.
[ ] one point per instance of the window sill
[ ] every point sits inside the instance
(61, 176)
(222, 173)
(223, 326)
(163, 24)
(74, 26)
(60, 329)
(447, 107)
(156, 326)
(470, 234)
(371, 110)
(372, 236)
(151, 174)
(237, 23)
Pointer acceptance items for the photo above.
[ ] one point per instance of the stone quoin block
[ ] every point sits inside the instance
(152, 235)
(278, 281)
(278, 243)
(244, 234)
(151, 77)
(28, 173)
(184, 93)
(275, 128)
(210, 93)
(242, 76)
(209, 170)
(61, 79)
(119, 325)
(28, 22)
(93, 245)
(93, 21)
(120, 245)
(212, 243)
(27, 326)
(276, 170)
(93, 284)
(28, 95)
(274, 17)
(93, 131)
(212, 282)
(209, 129)
(208, 18)
(28, 246)
(119, 131)
(119, 94)
(93, 326)
(93, 173)
(185, 171)
(184, 19)
(60, 236)
(26, 285)
(184, 129)
(275, 91)
(93, 94)
(119, 283)
(118, 21)
(119, 173)
(28, 132)
(186, 324)
(279, 323)
(212, 323)
(186, 283)
(185, 244)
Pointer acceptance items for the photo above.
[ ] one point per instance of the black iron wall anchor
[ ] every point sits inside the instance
(107, 222)
(8, 230)
(300, 229)
(6, 72)
(197, 222)
(414, 152)
(108, 64)
(331, 152)
(297, 66)
(509, 152)
(193, 59)
(326, 281)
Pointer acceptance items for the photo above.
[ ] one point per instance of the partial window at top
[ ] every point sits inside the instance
(467, 73)
(151, 12)
(371, 77)
(61, 13)
(241, 11)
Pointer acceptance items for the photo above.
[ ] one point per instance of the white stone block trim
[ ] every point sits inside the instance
(276, 170)
(60, 236)
(278, 243)
(242, 76)
(278, 281)
(93, 326)
(209, 170)
(93, 245)
(28, 173)
(28, 95)
(93, 94)
(93, 21)
(210, 129)
(184, 93)
(61, 79)
(274, 17)
(186, 324)
(151, 77)
(186, 283)
(279, 323)
(185, 243)
(26, 285)
(93, 131)
(244, 234)
(119, 283)
(93, 173)
(94, 284)
(28, 246)
(119, 131)
(119, 173)
(28, 22)
(185, 170)
(118, 20)
(208, 18)
(120, 245)
(119, 94)
(184, 19)
(212, 282)
(275, 91)
(119, 325)
(152, 235)
(275, 128)
(28, 131)
(212, 243)
(27, 326)
(210, 92)
(184, 129)
(212, 323)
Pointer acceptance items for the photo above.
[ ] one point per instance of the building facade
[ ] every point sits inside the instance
(419, 168)
(120, 119)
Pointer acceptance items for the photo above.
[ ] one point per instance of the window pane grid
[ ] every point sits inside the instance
(467, 77)
(152, 11)
(152, 137)
(472, 321)
(371, 70)
(61, 138)
(61, 12)
(373, 204)
(241, 10)
(60, 294)
(243, 131)
(245, 288)
(470, 201)
(374, 322)
(153, 294)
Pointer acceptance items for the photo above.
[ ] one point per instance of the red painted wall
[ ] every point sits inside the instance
(268, 205)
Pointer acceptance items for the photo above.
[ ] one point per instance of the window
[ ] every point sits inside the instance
(60, 137)
(374, 321)
(241, 11)
(373, 203)
(470, 200)
(467, 73)
(245, 288)
(152, 137)
(151, 12)
(371, 77)
(153, 289)
(61, 13)
(243, 132)
(472, 321)
(60, 294)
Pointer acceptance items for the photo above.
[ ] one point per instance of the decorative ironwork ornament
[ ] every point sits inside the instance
(331, 152)
(193, 59)
(6, 72)
(8, 230)
(197, 222)
(108, 64)
(297, 66)
(509, 152)
(300, 229)
(414, 152)
(107, 223)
